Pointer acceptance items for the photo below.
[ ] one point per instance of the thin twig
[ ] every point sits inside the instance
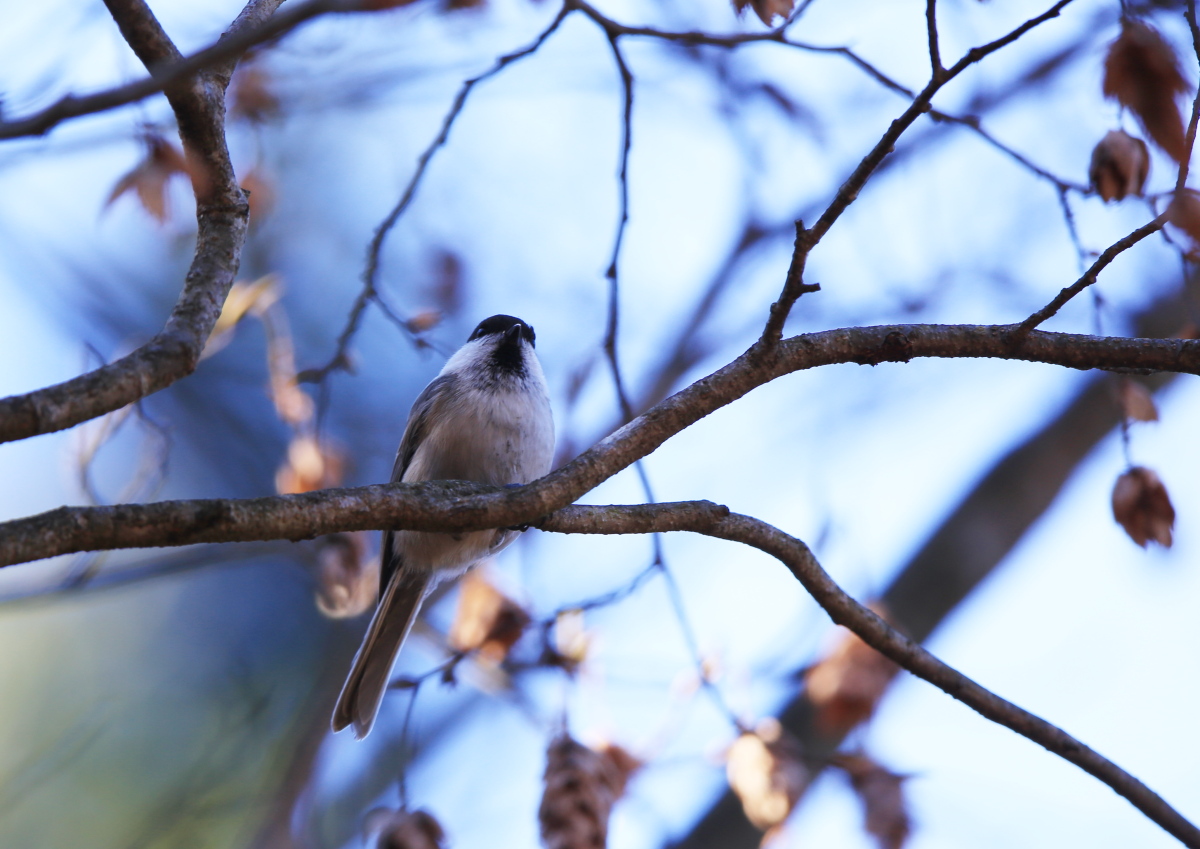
(370, 278)
(935, 55)
(1018, 334)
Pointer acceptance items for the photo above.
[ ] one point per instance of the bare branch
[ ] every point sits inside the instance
(808, 239)
(713, 520)
(221, 213)
(935, 55)
(462, 506)
(1089, 277)
(255, 25)
(369, 291)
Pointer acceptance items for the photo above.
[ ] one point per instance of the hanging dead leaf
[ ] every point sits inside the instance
(347, 579)
(149, 178)
(243, 299)
(1136, 402)
(447, 289)
(581, 787)
(881, 792)
(424, 320)
(846, 685)
(311, 464)
(570, 642)
(251, 96)
(766, 772)
(1142, 73)
(1142, 507)
(767, 10)
(1120, 165)
(1184, 213)
(405, 830)
(487, 621)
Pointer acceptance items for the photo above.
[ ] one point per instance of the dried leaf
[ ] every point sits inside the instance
(1184, 213)
(1120, 165)
(406, 830)
(1142, 507)
(148, 179)
(243, 299)
(447, 291)
(347, 579)
(1143, 74)
(571, 641)
(310, 465)
(424, 320)
(251, 96)
(487, 621)
(846, 685)
(766, 772)
(581, 787)
(767, 10)
(882, 794)
(1137, 402)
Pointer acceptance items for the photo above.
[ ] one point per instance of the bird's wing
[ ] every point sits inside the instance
(414, 433)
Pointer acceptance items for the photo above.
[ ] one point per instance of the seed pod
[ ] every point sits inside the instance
(1120, 164)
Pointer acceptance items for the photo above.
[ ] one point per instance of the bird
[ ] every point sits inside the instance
(486, 418)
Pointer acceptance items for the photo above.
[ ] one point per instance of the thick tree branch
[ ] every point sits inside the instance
(713, 520)
(459, 506)
(221, 213)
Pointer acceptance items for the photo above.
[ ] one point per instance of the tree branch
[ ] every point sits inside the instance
(221, 214)
(255, 25)
(713, 520)
(808, 239)
(461, 506)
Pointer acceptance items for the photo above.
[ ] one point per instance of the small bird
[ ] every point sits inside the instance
(486, 418)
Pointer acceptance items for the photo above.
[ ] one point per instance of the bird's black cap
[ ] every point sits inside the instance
(502, 324)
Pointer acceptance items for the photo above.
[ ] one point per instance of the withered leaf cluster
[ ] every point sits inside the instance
(766, 772)
(487, 621)
(1142, 73)
(581, 787)
(1142, 507)
(881, 792)
(406, 830)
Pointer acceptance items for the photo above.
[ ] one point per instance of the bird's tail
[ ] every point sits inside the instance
(394, 616)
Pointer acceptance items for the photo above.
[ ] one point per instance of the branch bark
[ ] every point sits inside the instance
(222, 215)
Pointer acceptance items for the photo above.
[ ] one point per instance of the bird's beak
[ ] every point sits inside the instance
(512, 334)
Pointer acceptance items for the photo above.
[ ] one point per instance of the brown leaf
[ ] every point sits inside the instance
(447, 291)
(1137, 402)
(766, 772)
(243, 299)
(846, 685)
(310, 465)
(424, 320)
(487, 621)
(251, 96)
(1142, 73)
(406, 830)
(149, 178)
(1120, 164)
(581, 787)
(767, 10)
(347, 579)
(882, 794)
(1184, 213)
(1142, 507)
